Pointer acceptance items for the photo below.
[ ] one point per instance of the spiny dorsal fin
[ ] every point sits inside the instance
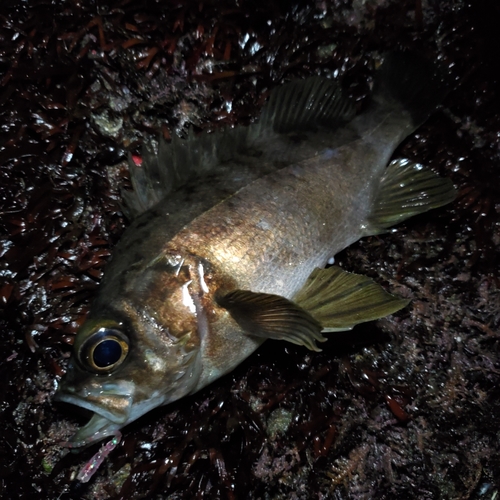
(178, 162)
(298, 106)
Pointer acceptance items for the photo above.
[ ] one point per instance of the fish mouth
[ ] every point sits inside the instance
(97, 429)
(110, 413)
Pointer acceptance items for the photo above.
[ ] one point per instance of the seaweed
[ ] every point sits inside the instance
(404, 407)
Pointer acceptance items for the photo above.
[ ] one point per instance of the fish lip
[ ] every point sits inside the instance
(101, 425)
(77, 401)
(96, 429)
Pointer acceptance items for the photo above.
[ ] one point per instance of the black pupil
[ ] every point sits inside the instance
(107, 353)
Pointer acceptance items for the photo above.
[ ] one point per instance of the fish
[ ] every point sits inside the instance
(230, 237)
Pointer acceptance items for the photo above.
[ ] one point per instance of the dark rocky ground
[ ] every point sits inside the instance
(408, 407)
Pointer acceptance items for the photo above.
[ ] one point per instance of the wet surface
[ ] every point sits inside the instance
(405, 407)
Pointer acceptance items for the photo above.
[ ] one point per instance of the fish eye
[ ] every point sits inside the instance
(105, 350)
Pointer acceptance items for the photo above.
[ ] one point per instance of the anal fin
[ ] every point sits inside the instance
(407, 189)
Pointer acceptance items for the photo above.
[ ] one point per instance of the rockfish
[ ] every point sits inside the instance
(230, 237)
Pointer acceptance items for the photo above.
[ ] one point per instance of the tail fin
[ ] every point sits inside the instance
(410, 82)
(407, 91)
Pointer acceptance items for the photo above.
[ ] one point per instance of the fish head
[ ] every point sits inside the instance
(139, 349)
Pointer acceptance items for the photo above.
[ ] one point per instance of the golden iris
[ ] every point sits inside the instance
(105, 350)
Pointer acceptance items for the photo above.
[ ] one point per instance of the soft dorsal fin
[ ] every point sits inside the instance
(296, 107)
(304, 105)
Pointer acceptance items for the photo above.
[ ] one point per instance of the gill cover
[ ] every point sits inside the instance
(145, 357)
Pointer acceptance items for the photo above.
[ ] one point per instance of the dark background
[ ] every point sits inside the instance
(408, 407)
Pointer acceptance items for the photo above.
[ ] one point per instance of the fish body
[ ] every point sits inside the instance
(228, 249)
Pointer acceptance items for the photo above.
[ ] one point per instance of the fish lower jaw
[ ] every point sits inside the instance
(101, 425)
(97, 429)
(104, 423)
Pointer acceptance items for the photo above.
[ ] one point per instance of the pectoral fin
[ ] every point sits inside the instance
(340, 300)
(273, 317)
(332, 300)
